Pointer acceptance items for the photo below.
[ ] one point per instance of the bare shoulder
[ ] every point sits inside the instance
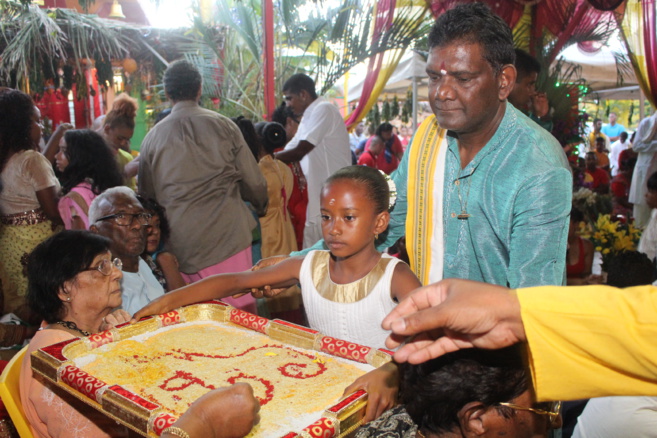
(404, 281)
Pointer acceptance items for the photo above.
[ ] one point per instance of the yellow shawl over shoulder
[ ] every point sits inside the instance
(422, 162)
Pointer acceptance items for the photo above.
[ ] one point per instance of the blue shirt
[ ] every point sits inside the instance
(612, 131)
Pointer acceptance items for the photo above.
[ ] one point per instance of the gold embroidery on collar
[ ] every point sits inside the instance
(344, 293)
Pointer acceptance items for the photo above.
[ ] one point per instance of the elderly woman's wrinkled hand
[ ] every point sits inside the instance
(113, 319)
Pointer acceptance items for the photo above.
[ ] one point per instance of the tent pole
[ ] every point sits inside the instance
(414, 103)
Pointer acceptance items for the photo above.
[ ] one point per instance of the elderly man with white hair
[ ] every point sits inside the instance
(118, 215)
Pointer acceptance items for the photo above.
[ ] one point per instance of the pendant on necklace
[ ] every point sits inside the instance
(463, 215)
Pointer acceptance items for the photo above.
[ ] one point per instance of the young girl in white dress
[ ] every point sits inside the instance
(348, 290)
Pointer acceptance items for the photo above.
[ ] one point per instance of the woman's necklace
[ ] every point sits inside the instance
(71, 325)
(464, 206)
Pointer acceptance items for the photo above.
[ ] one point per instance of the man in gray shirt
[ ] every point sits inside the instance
(196, 164)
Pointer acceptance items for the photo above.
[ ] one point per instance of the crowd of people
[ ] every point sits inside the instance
(302, 213)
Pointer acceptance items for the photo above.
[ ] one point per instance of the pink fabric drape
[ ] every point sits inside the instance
(384, 17)
(650, 45)
(568, 20)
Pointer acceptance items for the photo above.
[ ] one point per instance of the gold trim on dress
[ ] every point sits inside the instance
(344, 293)
(31, 217)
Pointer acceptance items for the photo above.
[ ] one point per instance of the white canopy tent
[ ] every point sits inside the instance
(601, 72)
(598, 69)
(410, 73)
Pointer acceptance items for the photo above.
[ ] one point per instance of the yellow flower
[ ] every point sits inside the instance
(598, 248)
(606, 251)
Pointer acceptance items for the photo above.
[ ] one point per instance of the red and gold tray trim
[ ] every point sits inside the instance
(322, 428)
(148, 417)
(249, 320)
(56, 350)
(82, 382)
(344, 349)
(157, 423)
(134, 398)
(295, 326)
(350, 399)
(99, 339)
(170, 318)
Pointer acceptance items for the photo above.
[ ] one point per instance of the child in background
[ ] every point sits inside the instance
(163, 263)
(277, 231)
(348, 290)
(88, 168)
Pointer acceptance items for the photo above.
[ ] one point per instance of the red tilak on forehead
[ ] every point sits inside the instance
(442, 66)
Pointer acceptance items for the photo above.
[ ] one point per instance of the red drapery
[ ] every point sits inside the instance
(650, 45)
(568, 20)
(384, 16)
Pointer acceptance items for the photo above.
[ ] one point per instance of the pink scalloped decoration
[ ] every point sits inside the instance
(55, 350)
(350, 399)
(169, 318)
(296, 326)
(322, 428)
(133, 397)
(82, 381)
(162, 421)
(98, 339)
(344, 349)
(249, 320)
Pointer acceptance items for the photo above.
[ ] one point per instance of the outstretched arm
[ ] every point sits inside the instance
(282, 275)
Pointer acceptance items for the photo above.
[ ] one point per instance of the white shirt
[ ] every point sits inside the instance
(355, 139)
(648, 241)
(645, 144)
(616, 148)
(618, 417)
(323, 127)
(139, 288)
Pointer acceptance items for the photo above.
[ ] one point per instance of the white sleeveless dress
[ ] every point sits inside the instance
(352, 311)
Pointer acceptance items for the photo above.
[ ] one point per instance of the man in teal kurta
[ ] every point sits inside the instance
(519, 202)
(506, 183)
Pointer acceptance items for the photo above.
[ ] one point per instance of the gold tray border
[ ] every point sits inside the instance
(47, 363)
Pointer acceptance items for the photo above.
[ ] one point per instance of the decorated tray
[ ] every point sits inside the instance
(145, 375)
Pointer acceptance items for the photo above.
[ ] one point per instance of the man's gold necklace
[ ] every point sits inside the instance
(464, 206)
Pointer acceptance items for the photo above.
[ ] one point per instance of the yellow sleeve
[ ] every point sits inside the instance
(591, 341)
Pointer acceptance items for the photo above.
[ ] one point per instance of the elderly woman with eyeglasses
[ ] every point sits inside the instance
(74, 286)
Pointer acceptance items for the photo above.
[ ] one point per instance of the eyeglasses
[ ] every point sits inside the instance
(105, 266)
(126, 219)
(552, 410)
